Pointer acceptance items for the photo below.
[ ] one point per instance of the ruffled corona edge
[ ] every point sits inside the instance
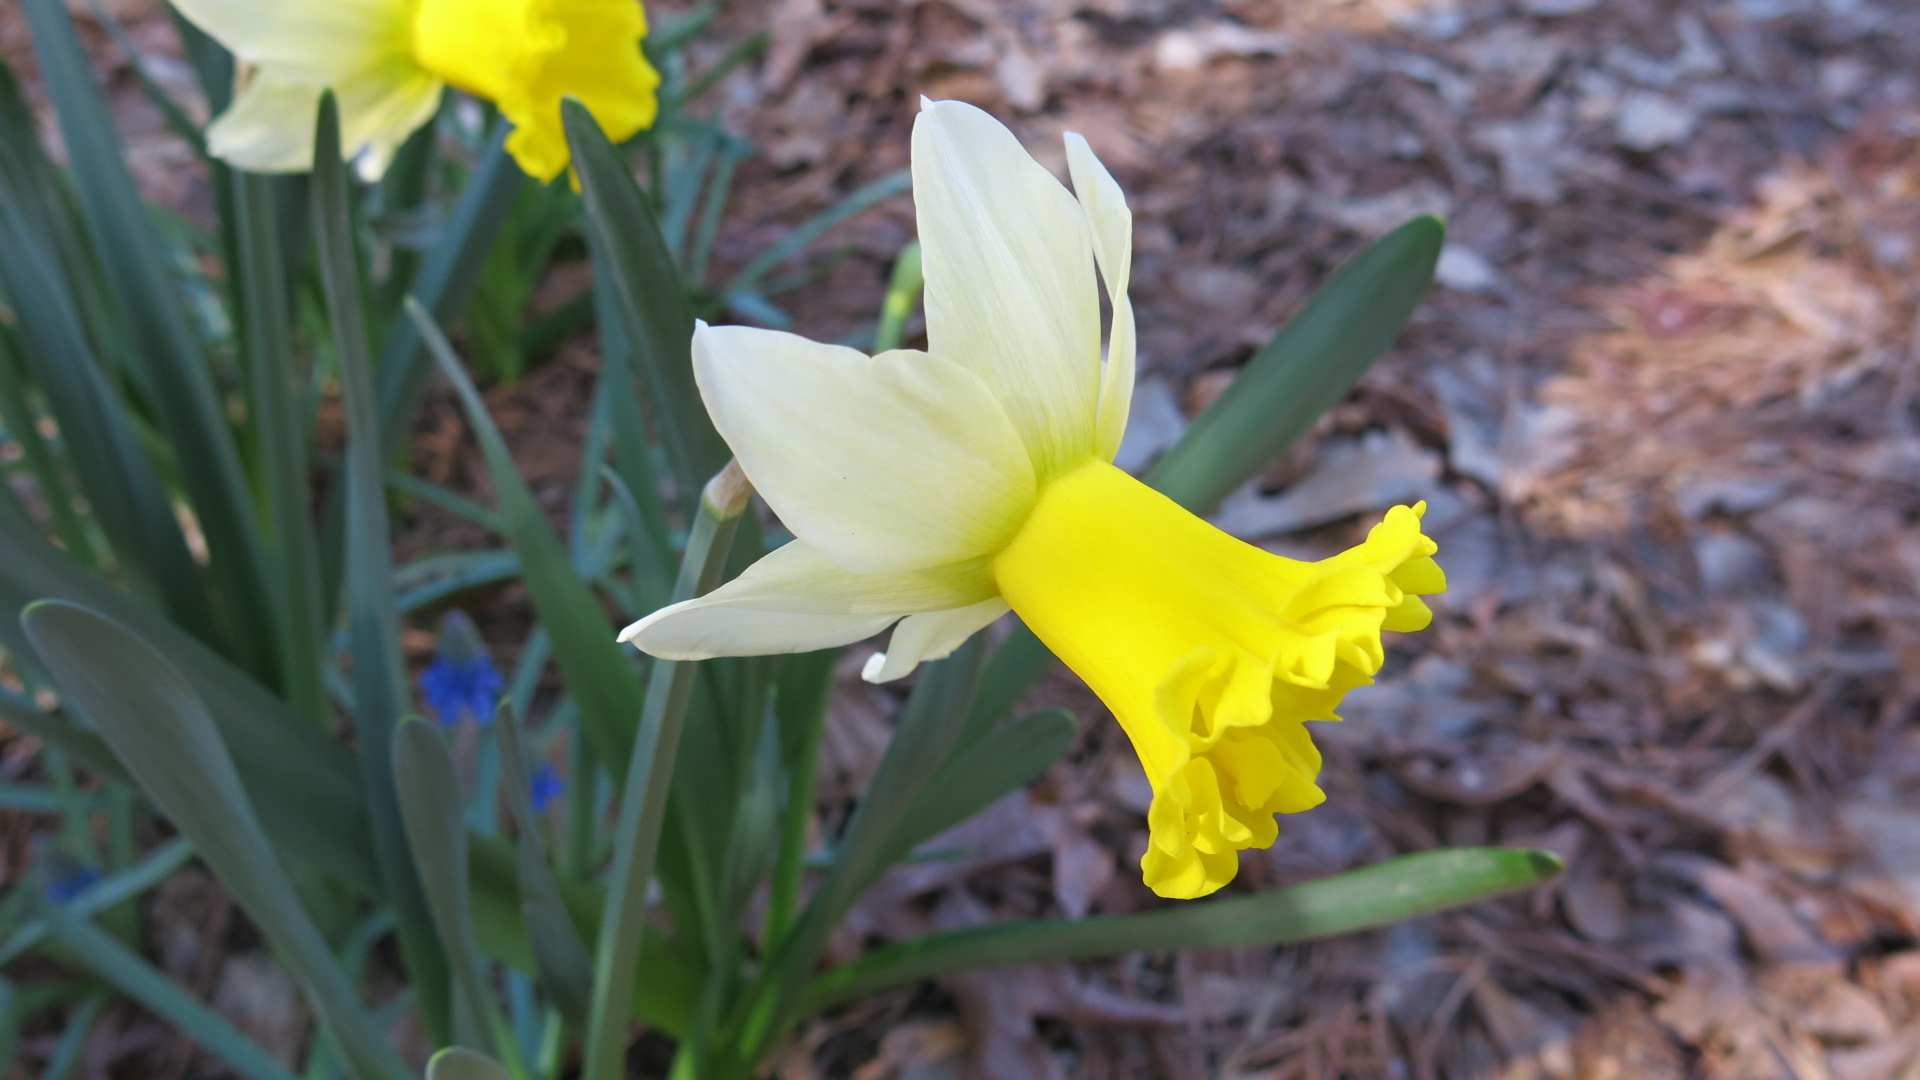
(1239, 712)
(587, 49)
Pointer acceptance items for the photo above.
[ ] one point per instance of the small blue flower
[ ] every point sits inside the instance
(66, 876)
(71, 881)
(462, 678)
(545, 786)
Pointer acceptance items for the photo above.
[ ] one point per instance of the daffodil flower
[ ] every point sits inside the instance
(940, 489)
(388, 61)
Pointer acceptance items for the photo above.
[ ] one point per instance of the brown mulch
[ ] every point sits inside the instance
(1662, 404)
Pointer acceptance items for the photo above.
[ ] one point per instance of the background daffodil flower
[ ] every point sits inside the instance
(388, 61)
(941, 489)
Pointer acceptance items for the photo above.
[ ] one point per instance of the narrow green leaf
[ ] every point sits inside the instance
(445, 284)
(1377, 895)
(922, 742)
(160, 730)
(431, 808)
(977, 775)
(144, 983)
(303, 784)
(301, 780)
(663, 992)
(179, 381)
(452, 502)
(212, 64)
(559, 955)
(275, 386)
(649, 299)
(744, 51)
(459, 1063)
(29, 178)
(437, 577)
(9, 1019)
(18, 417)
(865, 197)
(599, 675)
(714, 204)
(44, 799)
(800, 707)
(1015, 664)
(649, 564)
(1306, 369)
(633, 452)
(643, 807)
(66, 1053)
(903, 294)
(119, 480)
(178, 121)
(373, 620)
(402, 189)
(63, 734)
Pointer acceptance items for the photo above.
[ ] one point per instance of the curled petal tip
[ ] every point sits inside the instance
(926, 103)
(875, 666)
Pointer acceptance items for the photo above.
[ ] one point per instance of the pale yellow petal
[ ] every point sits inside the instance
(1010, 290)
(307, 41)
(930, 636)
(795, 600)
(879, 463)
(1111, 225)
(269, 127)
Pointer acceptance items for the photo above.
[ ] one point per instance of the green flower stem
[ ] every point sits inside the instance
(644, 805)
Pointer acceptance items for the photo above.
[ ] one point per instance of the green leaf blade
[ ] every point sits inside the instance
(1387, 892)
(160, 730)
(432, 811)
(584, 645)
(144, 983)
(179, 381)
(1306, 369)
(649, 300)
(373, 620)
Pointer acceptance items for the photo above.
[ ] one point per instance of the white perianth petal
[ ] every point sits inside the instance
(1111, 224)
(882, 463)
(931, 636)
(311, 41)
(1010, 289)
(795, 600)
(269, 127)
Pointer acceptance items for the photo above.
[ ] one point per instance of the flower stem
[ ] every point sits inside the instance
(644, 805)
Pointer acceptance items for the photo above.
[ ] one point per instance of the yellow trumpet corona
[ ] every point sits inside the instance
(939, 490)
(389, 61)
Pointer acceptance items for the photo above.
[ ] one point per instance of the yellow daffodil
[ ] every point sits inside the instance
(940, 489)
(387, 61)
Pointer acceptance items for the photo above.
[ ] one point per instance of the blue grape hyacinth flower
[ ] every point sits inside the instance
(545, 786)
(69, 881)
(462, 679)
(66, 876)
